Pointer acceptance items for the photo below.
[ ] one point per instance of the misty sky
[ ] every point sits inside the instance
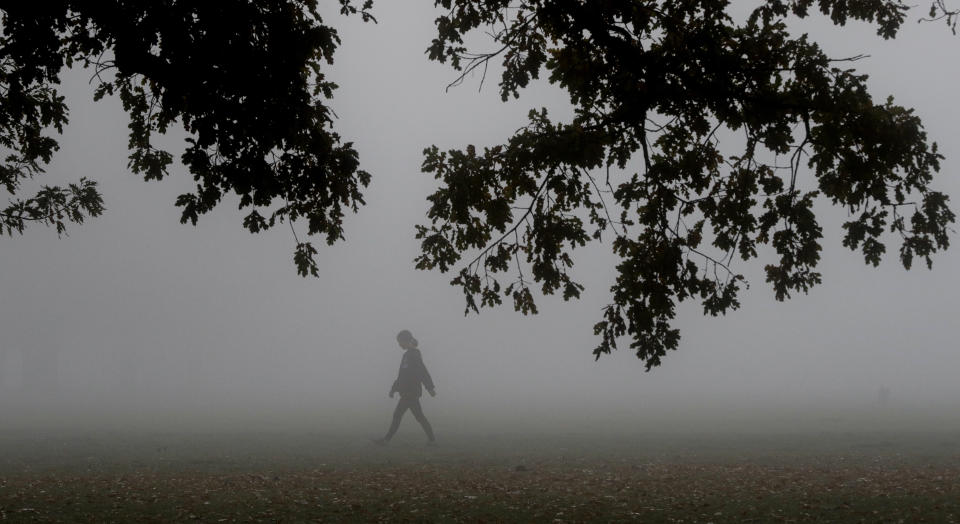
(146, 312)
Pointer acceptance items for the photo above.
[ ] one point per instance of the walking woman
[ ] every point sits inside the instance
(411, 380)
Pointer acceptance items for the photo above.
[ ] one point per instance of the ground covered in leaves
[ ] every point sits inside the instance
(306, 478)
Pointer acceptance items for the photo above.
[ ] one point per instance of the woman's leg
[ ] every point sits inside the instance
(402, 407)
(421, 418)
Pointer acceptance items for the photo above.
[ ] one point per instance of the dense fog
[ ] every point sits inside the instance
(134, 321)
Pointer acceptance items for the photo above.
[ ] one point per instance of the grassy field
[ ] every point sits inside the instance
(823, 477)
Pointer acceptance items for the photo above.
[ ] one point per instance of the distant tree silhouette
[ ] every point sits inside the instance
(4, 363)
(41, 371)
(883, 396)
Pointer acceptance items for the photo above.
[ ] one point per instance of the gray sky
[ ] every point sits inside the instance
(212, 323)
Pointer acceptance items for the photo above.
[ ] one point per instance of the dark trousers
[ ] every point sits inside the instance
(413, 404)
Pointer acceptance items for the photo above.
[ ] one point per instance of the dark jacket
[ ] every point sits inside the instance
(412, 375)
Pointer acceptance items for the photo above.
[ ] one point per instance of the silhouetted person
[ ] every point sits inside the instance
(410, 381)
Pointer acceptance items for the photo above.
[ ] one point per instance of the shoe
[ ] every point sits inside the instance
(432, 444)
(380, 441)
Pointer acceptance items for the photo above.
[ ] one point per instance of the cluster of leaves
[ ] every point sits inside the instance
(243, 78)
(28, 106)
(690, 135)
(941, 10)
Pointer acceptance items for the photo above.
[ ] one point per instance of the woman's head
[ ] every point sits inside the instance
(406, 340)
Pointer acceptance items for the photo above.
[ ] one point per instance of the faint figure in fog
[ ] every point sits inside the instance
(883, 396)
(411, 380)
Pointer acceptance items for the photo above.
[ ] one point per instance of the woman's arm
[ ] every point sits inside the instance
(425, 375)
